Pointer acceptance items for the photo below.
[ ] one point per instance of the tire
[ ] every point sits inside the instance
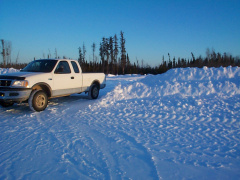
(93, 92)
(38, 100)
(6, 104)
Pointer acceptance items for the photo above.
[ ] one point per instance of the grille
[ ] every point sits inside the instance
(5, 83)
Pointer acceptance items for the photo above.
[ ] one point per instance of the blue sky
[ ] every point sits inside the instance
(152, 28)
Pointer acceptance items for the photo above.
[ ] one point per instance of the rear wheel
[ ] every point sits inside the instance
(38, 100)
(93, 92)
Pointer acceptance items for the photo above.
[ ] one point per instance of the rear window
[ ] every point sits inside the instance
(75, 67)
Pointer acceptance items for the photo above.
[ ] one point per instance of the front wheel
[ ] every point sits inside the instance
(38, 100)
(93, 92)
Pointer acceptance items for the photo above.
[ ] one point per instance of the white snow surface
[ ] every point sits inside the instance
(183, 124)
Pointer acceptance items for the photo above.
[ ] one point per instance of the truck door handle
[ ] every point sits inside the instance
(72, 77)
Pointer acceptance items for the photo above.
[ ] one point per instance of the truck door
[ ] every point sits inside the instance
(65, 80)
(77, 75)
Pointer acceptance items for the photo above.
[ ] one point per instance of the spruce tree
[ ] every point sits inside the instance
(123, 52)
(94, 62)
(115, 54)
(111, 54)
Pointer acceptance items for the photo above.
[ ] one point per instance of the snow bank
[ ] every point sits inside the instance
(181, 81)
(8, 70)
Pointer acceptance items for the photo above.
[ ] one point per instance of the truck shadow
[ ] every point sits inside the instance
(81, 100)
(74, 102)
(67, 99)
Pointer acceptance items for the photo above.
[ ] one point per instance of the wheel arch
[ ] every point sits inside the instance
(97, 83)
(43, 86)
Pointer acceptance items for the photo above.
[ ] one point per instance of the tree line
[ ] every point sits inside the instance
(114, 59)
(113, 56)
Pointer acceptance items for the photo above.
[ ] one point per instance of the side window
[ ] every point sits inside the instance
(62, 68)
(75, 67)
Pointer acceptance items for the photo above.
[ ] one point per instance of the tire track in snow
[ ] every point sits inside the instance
(146, 156)
(42, 132)
(122, 152)
(32, 134)
(83, 153)
(29, 134)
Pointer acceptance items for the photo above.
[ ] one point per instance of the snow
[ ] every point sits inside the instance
(183, 124)
(8, 70)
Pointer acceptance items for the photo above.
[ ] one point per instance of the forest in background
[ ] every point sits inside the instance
(114, 59)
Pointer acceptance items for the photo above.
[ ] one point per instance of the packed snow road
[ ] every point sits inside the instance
(183, 124)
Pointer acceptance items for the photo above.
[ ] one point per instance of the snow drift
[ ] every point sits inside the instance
(7, 70)
(183, 124)
(192, 82)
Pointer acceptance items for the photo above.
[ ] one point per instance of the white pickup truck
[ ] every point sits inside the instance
(43, 79)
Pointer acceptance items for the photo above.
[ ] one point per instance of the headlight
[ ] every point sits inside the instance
(18, 83)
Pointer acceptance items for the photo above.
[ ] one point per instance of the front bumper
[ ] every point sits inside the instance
(14, 94)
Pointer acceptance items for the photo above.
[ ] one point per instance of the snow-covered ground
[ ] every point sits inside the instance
(184, 124)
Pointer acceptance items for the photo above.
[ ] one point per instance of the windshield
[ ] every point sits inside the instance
(40, 66)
